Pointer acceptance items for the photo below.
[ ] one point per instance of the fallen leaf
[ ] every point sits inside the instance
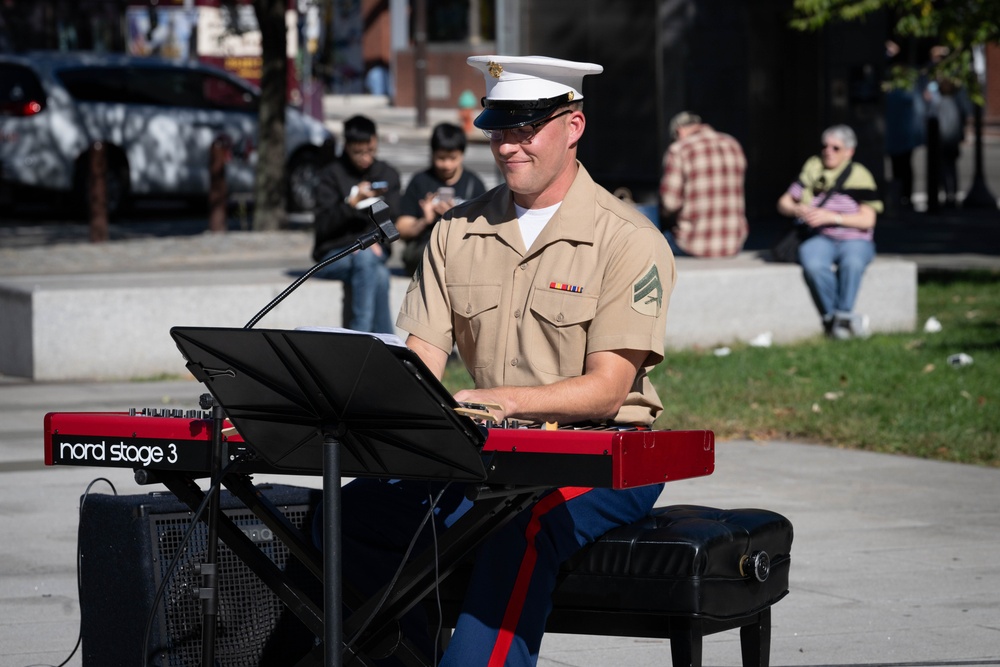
(929, 368)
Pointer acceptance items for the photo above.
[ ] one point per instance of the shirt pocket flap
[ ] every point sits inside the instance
(562, 309)
(468, 301)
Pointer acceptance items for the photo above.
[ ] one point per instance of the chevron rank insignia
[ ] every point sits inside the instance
(647, 293)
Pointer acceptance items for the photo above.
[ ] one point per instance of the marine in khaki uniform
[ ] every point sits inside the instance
(597, 278)
(556, 294)
(577, 306)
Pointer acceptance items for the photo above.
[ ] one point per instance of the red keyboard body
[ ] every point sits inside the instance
(511, 457)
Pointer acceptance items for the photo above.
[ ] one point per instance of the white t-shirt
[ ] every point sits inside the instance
(533, 220)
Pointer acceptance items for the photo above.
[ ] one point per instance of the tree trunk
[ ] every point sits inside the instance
(269, 186)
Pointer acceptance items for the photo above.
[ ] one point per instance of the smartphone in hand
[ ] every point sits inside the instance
(444, 194)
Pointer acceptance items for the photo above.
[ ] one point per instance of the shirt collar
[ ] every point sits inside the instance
(573, 222)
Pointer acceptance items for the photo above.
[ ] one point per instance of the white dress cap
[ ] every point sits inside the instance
(523, 89)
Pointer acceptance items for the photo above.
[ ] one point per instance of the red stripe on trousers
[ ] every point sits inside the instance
(519, 594)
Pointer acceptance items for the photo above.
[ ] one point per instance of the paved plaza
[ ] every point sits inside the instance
(894, 561)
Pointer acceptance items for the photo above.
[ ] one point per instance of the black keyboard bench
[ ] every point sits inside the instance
(681, 573)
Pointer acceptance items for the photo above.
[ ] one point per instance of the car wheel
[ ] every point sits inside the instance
(303, 177)
(116, 183)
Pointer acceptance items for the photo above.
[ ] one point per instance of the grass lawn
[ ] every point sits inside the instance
(889, 393)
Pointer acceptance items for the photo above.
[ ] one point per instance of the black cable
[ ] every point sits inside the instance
(79, 566)
(437, 583)
(176, 559)
(399, 570)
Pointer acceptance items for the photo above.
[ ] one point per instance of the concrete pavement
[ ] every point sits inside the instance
(893, 563)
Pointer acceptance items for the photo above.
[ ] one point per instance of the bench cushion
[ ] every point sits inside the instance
(682, 560)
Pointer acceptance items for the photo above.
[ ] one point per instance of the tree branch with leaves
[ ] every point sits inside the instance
(960, 26)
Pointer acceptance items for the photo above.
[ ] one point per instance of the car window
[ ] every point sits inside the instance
(94, 84)
(224, 94)
(165, 87)
(157, 86)
(21, 92)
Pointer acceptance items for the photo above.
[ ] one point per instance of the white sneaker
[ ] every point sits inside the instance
(860, 326)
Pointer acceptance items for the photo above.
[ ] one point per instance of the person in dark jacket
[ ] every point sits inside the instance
(348, 186)
(434, 191)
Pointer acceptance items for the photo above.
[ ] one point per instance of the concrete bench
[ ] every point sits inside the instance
(722, 301)
(116, 326)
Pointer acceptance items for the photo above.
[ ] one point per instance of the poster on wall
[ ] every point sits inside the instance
(164, 32)
(227, 38)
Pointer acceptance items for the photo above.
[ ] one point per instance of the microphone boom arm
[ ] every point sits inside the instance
(384, 232)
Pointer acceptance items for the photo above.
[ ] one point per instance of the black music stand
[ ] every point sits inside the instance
(344, 403)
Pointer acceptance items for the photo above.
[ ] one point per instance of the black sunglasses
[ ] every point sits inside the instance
(525, 133)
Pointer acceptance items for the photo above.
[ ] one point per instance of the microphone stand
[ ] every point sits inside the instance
(384, 232)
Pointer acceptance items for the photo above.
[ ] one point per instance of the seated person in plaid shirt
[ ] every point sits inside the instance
(702, 190)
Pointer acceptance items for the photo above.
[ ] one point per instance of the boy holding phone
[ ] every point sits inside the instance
(434, 191)
(348, 186)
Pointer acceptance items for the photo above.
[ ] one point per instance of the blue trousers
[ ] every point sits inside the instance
(834, 290)
(367, 276)
(509, 598)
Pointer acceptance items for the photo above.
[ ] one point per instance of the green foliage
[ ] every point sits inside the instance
(955, 22)
(958, 25)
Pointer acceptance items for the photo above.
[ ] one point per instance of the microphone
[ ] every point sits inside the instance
(384, 232)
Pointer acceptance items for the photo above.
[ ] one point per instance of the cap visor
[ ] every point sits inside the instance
(504, 119)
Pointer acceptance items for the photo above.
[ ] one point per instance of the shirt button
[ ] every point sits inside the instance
(513, 362)
(559, 317)
(468, 309)
(524, 267)
(517, 313)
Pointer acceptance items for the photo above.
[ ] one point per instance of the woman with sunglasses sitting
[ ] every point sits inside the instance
(838, 199)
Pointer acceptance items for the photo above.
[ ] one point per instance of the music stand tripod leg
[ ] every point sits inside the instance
(209, 592)
(332, 614)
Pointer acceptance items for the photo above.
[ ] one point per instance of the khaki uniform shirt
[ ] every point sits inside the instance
(599, 277)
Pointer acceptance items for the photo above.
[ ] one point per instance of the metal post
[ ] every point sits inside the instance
(217, 195)
(475, 28)
(420, 60)
(97, 190)
(979, 195)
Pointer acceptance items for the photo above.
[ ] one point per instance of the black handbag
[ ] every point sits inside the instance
(787, 247)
